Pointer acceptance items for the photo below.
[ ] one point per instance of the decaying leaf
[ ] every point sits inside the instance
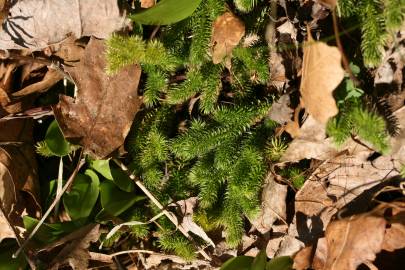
(353, 241)
(227, 32)
(51, 78)
(32, 24)
(357, 239)
(147, 3)
(339, 179)
(75, 248)
(102, 113)
(280, 110)
(273, 205)
(321, 74)
(187, 209)
(331, 4)
(309, 142)
(18, 173)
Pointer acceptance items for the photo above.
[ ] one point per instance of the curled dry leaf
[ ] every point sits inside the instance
(32, 24)
(18, 173)
(75, 248)
(357, 239)
(322, 72)
(52, 76)
(227, 32)
(187, 209)
(102, 113)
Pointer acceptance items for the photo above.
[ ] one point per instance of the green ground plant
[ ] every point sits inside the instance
(204, 129)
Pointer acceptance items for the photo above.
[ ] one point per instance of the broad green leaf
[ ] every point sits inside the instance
(7, 262)
(48, 233)
(102, 166)
(114, 200)
(280, 263)
(259, 262)
(83, 196)
(55, 141)
(166, 12)
(103, 217)
(238, 263)
(120, 178)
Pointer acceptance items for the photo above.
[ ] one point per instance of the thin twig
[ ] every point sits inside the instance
(169, 215)
(57, 199)
(342, 52)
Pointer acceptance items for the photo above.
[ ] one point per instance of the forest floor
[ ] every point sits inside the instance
(65, 188)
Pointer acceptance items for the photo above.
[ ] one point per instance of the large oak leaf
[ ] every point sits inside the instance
(102, 113)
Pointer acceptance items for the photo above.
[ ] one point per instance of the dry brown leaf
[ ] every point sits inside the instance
(331, 4)
(288, 28)
(50, 79)
(280, 110)
(310, 142)
(147, 3)
(293, 128)
(273, 206)
(187, 210)
(357, 239)
(337, 181)
(5, 230)
(4, 99)
(322, 72)
(102, 113)
(353, 240)
(394, 237)
(302, 260)
(18, 173)
(227, 32)
(75, 251)
(32, 24)
(278, 233)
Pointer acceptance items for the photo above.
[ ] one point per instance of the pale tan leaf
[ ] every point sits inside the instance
(353, 240)
(322, 72)
(302, 260)
(187, 210)
(331, 4)
(394, 237)
(280, 110)
(293, 129)
(309, 142)
(147, 3)
(273, 206)
(227, 32)
(38, 24)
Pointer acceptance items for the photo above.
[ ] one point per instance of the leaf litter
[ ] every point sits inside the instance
(341, 184)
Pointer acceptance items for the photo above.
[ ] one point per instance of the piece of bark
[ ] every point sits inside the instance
(100, 117)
